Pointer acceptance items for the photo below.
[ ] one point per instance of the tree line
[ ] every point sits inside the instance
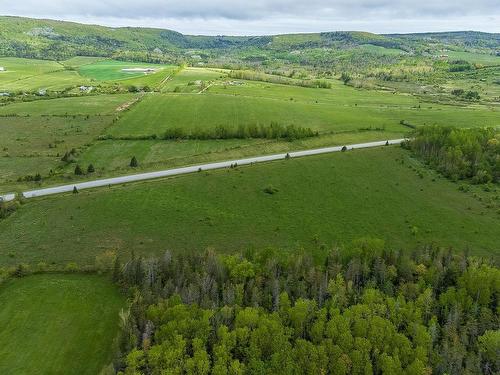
(272, 131)
(472, 154)
(364, 309)
(257, 76)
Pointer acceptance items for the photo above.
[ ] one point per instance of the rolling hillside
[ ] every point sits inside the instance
(49, 39)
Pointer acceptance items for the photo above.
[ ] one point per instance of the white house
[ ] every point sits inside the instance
(2, 69)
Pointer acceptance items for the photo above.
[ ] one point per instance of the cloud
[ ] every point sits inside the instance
(267, 14)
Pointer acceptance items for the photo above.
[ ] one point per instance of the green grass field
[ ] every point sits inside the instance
(329, 199)
(478, 58)
(58, 324)
(32, 75)
(188, 79)
(84, 105)
(111, 70)
(114, 155)
(35, 139)
(340, 109)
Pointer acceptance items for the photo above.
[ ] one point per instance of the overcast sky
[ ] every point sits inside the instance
(257, 17)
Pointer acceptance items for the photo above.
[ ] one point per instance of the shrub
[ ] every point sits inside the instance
(270, 190)
(90, 169)
(133, 162)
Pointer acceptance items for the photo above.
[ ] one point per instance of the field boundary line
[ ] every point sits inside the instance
(194, 168)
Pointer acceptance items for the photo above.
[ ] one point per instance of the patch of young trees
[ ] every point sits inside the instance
(460, 153)
(365, 309)
(468, 95)
(271, 131)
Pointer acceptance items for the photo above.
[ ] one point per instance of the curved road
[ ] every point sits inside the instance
(191, 169)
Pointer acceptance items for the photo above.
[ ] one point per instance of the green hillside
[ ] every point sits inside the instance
(49, 39)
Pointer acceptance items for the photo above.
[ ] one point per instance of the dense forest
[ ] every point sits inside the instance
(358, 310)
(472, 153)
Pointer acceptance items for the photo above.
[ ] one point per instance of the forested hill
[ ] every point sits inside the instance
(50, 39)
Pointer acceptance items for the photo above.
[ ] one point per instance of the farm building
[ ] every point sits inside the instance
(2, 69)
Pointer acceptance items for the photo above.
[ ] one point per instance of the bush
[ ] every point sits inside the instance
(270, 190)
(90, 169)
(133, 162)
(105, 262)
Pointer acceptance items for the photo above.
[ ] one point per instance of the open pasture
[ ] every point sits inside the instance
(336, 110)
(84, 105)
(112, 157)
(112, 70)
(32, 75)
(330, 199)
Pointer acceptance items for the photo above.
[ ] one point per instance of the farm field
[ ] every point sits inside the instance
(58, 324)
(32, 75)
(112, 70)
(478, 58)
(329, 199)
(71, 106)
(380, 260)
(189, 79)
(341, 115)
(322, 112)
(114, 155)
(35, 135)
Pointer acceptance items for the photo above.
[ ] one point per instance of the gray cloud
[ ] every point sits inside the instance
(310, 15)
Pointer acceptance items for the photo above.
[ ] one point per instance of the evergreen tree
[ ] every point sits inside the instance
(78, 170)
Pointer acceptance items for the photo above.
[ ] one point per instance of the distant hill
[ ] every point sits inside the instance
(56, 40)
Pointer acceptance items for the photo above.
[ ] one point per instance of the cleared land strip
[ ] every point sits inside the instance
(192, 169)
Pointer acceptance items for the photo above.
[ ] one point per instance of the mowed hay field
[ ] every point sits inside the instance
(58, 324)
(109, 70)
(337, 110)
(329, 199)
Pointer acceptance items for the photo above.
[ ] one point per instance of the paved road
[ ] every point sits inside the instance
(191, 169)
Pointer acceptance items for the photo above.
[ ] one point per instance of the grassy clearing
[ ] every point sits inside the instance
(478, 58)
(327, 199)
(57, 324)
